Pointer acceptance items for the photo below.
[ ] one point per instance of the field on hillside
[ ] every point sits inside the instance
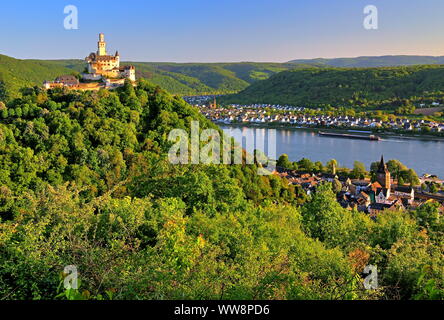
(428, 111)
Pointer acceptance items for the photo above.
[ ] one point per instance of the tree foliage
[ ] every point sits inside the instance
(85, 180)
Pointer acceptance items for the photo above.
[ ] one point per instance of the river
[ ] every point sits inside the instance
(424, 156)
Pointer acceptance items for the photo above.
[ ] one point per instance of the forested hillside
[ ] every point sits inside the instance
(177, 78)
(85, 181)
(367, 87)
(298, 83)
(16, 74)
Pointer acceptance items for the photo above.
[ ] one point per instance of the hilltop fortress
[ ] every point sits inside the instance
(103, 71)
(101, 65)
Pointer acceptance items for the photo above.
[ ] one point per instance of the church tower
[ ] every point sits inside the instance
(213, 105)
(383, 175)
(101, 45)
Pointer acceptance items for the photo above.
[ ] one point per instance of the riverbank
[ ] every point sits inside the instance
(386, 134)
(420, 154)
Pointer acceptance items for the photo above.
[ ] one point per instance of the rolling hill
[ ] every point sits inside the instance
(345, 86)
(193, 78)
(16, 74)
(178, 78)
(373, 62)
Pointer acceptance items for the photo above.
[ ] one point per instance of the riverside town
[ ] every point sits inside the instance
(290, 116)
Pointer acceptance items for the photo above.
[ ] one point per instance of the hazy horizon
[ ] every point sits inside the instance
(217, 62)
(199, 31)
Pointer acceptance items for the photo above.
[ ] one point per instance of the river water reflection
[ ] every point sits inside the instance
(423, 156)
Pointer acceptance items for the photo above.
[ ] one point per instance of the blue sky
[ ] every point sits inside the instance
(222, 30)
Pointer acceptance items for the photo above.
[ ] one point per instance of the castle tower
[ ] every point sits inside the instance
(383, 175)
(101, 45)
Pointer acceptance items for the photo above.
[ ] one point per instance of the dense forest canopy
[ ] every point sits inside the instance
(85, 181)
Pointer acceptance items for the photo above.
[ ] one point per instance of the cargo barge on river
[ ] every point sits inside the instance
(349, 136)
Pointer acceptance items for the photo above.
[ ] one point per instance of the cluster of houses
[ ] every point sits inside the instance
(289, 115)
(364, 195)
(371, 197)
(202, 100)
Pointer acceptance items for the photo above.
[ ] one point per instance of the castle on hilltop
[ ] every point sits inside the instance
(103, 71)
(101, 65)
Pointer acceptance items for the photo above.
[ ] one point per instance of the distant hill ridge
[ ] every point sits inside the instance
(373, 61)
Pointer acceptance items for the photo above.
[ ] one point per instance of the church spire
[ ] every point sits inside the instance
(382, 167)
(383, 175)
